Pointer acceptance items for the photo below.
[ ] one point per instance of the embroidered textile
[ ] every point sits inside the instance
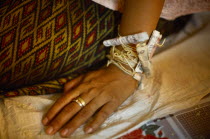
(43, 40)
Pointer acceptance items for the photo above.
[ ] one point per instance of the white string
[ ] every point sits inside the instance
(131, 57)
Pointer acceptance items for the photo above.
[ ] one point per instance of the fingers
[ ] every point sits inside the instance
(57, 106)
(100, 117)
(69, 85)
(61, 102)
(63, 117)
(99, 90)
(83, 116)
(68, 112)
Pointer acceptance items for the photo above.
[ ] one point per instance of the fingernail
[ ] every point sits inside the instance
(89, 130)
(45, 121)
(64, 132)
(49, 130)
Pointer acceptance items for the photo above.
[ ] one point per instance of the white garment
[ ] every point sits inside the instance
(171, 9)
(181, 79)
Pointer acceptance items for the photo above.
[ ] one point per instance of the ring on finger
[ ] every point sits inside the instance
(80, 101)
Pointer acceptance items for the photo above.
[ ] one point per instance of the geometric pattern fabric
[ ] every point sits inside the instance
(43, 43)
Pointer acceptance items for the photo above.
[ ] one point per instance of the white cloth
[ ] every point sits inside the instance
(181, 79)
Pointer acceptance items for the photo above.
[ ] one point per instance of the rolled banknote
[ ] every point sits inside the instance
(142, 51)
(130, 39)
(153, 41)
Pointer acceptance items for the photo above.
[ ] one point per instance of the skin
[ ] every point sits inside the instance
(106, 89)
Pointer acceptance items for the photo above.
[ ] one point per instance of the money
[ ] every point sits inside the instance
(153, 41)
(142, 51)
(137, 76)
(130, 39)
(139, 68)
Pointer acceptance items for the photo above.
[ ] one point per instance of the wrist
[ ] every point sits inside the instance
(133, 59)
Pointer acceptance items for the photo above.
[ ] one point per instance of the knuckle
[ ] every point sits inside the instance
(82, 86)
(93, 90)
(104, 114)
(74, 124)
(91, 82)
(56, 123)
(110, 97)
(67, 109)
(115, 102)
(85, 113)
(66, 86)
(61, 100)
(94, 83)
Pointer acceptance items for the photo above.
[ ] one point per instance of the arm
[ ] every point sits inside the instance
(140, 16)
(106, 89)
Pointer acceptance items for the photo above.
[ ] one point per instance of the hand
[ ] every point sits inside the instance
(102, 90)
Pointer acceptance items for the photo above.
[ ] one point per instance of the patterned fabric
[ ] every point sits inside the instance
(188, 123)
(146, 132)
(43, 40)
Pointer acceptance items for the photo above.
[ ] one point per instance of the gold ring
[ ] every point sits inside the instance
(80, 101)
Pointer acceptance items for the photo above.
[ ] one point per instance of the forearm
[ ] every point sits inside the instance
(140, 16)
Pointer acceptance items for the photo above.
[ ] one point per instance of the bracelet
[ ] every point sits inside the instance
(136, 58)
(128, 56)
